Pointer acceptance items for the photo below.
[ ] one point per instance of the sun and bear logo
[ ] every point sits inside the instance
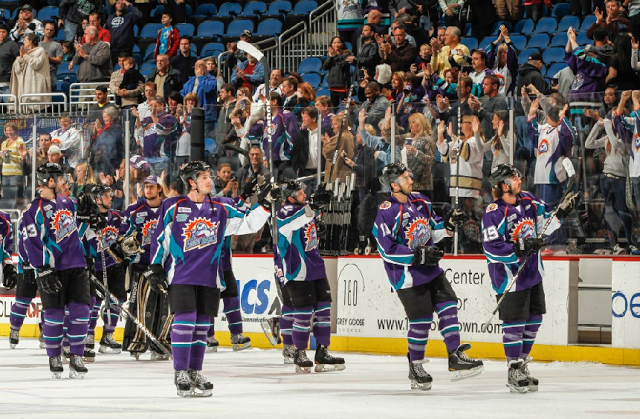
(311, 236)
(418, 233)
(148, 229)
(63, 223)
(636, 141)
(523, 229)
(109, 236)
(200, 233)
(543, 146)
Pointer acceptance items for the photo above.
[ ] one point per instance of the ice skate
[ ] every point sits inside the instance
(533, 382)
(55, 366)
(14, 338)
(303, 364)
(159, 356)
(183, 383)
(327, 362)
(90, 342)
(108, 344)
(461, 366)
(516, 380)
(201, 387)
(420, 379)
(289, 353)
(271, 329)
(88, 355)
(239, 342)
(212, 344)
(76, 367)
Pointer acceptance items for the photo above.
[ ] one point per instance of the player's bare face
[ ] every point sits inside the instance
(151, 192)
(59, 185)
(204, 183)
(516, 184)
(406, 183)
(301, 197)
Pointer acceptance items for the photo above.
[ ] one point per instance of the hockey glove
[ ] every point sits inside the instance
(28, 274)
(427, 255)
(157, 278)
(321, 197)
(86, 206)
(268, 195)
(91, 267)
(321, 229)
(453, 219)
(567, 205)
(9, 276)
(48, 280)
(249, 188)
(116, 249)
(525, 247)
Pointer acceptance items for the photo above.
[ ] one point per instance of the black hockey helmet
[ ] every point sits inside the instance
(48, 171)
(290, 187)
(391, 173)
(191, 171)
(97, 191)
(501, 173)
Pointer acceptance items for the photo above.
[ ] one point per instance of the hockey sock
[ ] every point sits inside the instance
(448, 325)
(322, 323)
(286, 324)
(182, 328)
(78, 325)
(301, 326)
(110, 316)
(95, 309)
(234, 316)
(512, 339)
(65, 329)
(52, 330)
(203, 323)
(19, 312)
(418, 337)
(530, 331)
(212, 329)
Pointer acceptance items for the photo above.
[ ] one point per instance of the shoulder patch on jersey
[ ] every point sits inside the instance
(385, 205)
(492, 207)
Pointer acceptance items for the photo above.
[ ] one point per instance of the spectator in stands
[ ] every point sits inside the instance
(534, 9)
(503, 60)
(103, 34)
(30, 73)
(159, 132)
(168, 38)
(401, 24)
(249, 73)
(589, 67)
(125, 98)
(613, 22)
(84, 176)
(452, 49)
(183, 151)
(44, 142)
(71, 13)
(184, 62)
(26, 24)
(306, 96)
(9, 50)
(213, 70)
(485, 17)
(451, 10)
(509, 10)
(108, 143)
(52, 48)
(205, 87)
(529, 73)
(581, 8)
(375, 106)
(338, 67)
(144, 109)
(120, 25)
(374, 17)
(224, 131)
(237, 55)
(620, 72)
(367, 56)
(448, 112)
(11, 149)
(224, 184)
(381, 149)
(275, 84)
(634, 16)
(323, 104)
(363, 164)
(500, 143)
(480, 71)
(68, 51)
(350, 17)
(81, 28)
(93, 58)
(401, 55)
(491, 102)
(177, 8)
(290, 99)
(101, 103)
(243, 99)
(343, 144)
(284, 128)
(304, 154)
(68, 140)
(167, 79)
(132, 80)
(54, 155)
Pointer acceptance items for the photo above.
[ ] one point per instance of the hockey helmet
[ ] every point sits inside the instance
(290, 188)
(97, 191)
(391, 173)
(501, 173)
(191, 171)
(48, 171)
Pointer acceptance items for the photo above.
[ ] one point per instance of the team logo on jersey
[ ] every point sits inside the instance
(636, 141)
(385, 205)
(492, 207)
(63, 224)
(523, 229)
(311, 234)
(147, 231)
(418, 232)
(200, 233)
(543, 147)
(109, 236)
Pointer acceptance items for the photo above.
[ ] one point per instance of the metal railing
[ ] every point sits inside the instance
(83, 95)
(8, 103)
(293, 47)
(37, 102)
(322, 27)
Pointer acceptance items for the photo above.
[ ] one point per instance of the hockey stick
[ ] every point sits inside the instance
(570, 183)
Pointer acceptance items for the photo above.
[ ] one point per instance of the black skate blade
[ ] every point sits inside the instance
(458, 375)
(266, 329)
(303, 370)
(330, 367)
(420, 386)
(518, 389)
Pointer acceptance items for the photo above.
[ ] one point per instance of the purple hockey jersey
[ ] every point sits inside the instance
(140, 219)
(502, 225)
(284, 126)
(109, 236)
(6, 235)
(399, 229)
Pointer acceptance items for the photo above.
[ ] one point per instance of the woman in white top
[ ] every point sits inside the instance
(500, 145)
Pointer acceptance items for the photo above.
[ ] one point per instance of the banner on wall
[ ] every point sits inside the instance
(625, 305)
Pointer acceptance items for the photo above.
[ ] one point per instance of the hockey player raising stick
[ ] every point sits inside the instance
(513, 226)
(186, 252)
(406, 229)
(53, 247)
(305, 279)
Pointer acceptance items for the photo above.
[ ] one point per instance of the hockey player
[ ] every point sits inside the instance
(53, 247)
(186, 253)
(305, 279)
(513, 226)
(150, 307)
(406, 229)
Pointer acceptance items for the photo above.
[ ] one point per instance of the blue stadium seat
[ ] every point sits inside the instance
(304, 7)
(587, 22)
(540, 40)
(63, 69)
(5, 15)
(146, 72)
(567, 22)
(186, 29)
(157, 11)
(323, 92)
(46, 13)
(471, 43)
(519, 41)
(210, 29)
(523, 56)
(560, 10)
(486, 41)
(150, 30)
(212, 48)
(582, 39)
(553, 55)
(524, 26)
(313, 79)
(230, 9)
(547, 25)
(268, 28)
(147, 65)
(280, 6)
(311, 64)
(206, 10)
(559, 40)
(468, 28)
(148, 53)
(254, 8)
(496, 27)
(553, 69)
(237, 26)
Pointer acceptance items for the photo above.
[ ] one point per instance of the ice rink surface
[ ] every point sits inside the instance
(255, 384)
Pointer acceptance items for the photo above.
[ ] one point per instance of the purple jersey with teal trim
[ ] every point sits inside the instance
(6, 234)
(109, 236)
(140, 219)
(298, 244)
(502, 225)
(189, 238)
(51, 234)
(399, 229)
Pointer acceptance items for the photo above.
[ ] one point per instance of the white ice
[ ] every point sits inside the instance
(255, 384)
